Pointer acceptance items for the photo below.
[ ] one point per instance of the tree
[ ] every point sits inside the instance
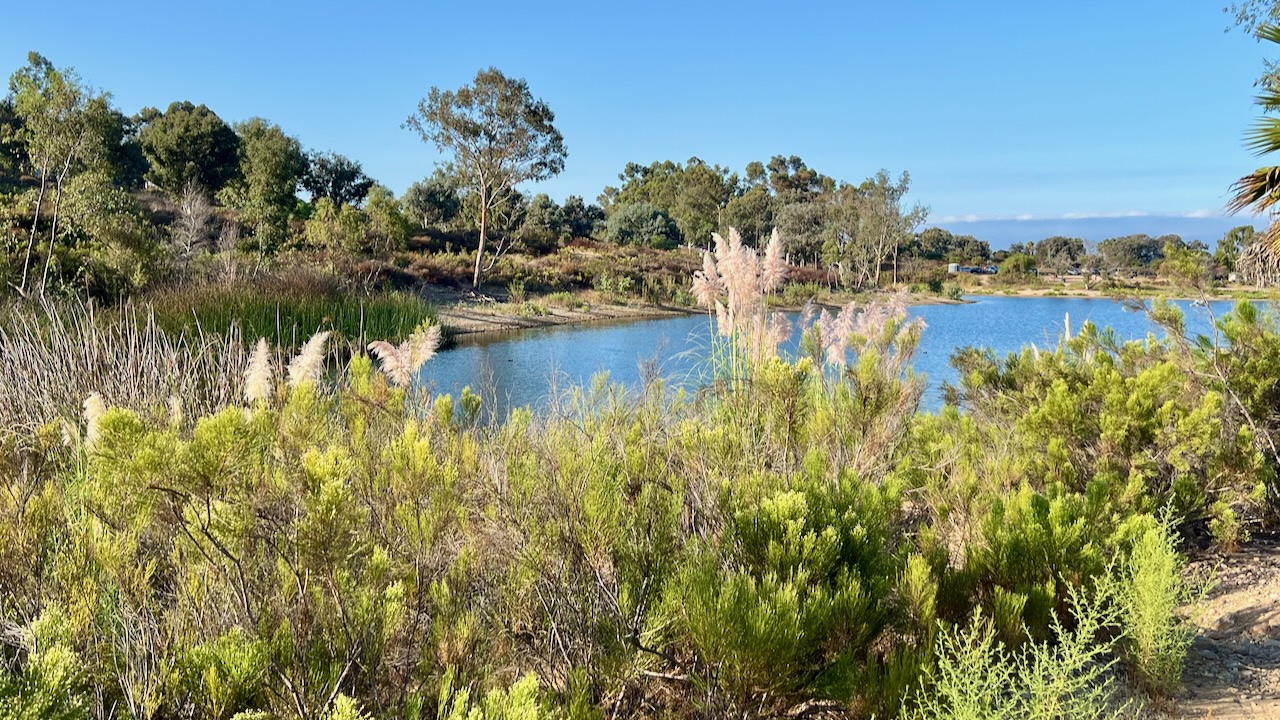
(1134, 252)
(643, 224)
(435, 200)
(1059, 253)
(336, 177)
(12, 157)
(499, 136)
(867, 226)
(188, 142)
(582, 220)
(388, 227)
(1232, 244)
(56, 112)
(270, 165)
(694, 194)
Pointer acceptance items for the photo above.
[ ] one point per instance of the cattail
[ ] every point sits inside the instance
(309, 362)
(94, 409)
(259, 375)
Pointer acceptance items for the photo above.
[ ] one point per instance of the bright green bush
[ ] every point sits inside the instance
(1149, 590)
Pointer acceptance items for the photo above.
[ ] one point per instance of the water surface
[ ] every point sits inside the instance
(520, 368)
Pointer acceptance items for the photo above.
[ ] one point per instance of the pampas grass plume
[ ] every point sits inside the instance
(259, 374)
(94, 409)
(775, 268)
(307, 365)
(401, 363)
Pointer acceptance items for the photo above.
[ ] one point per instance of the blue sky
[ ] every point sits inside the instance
(1003, 112)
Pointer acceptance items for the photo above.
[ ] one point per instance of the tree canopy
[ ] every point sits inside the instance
(188, 142)
(499, 136)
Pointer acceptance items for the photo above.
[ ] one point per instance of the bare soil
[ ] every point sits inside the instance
(1233, 669)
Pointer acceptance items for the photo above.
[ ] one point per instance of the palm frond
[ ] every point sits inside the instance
(1264, 136)
(1259, 190)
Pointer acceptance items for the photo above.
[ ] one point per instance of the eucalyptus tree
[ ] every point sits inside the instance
(58, 132)
(499, 135)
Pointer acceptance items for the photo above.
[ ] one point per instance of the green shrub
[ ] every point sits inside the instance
(979, 679)
(1149, 589)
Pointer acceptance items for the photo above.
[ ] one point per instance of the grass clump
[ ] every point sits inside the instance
(290, 314)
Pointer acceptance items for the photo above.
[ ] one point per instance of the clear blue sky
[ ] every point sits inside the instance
(1000, 110)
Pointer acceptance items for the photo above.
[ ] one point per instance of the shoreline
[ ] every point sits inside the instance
(462, 318)
(1133, 294)
(482, 319)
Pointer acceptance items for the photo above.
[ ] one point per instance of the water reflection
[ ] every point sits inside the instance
(521, 368)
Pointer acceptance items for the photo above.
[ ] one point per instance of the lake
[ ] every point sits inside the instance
(520, 368)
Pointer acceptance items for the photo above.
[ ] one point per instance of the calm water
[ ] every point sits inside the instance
(520, 368)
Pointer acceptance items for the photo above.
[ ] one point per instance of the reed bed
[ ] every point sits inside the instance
(55, 355)
(288, 315)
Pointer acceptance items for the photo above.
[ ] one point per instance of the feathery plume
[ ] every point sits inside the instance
(307, 365)
(258, 376)
(775, 268)
(723, 323)
(807, 313)
(1066, 321)
(401, 363)
(175, 411)
(706, 282)
(94, 409)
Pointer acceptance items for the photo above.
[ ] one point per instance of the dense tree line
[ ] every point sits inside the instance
(99, 202)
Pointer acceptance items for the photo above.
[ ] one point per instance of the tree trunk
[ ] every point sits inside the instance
(895, 263)
(484, 216)
(53, 231)
(31, 240)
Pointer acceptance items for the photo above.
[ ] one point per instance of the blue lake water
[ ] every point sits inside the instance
(520, 368)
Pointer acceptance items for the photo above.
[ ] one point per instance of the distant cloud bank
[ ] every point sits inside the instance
(1001, 232)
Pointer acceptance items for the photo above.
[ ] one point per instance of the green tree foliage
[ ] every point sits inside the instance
(188, 142)
(270, 165)
(866, 226)
(1059, 253)
(499, 136)
(941, 245)
(582, 220)
(792, 180)
(643, 224)
(1134, 252)
(12, 155)
(62, 133)
(336, 177)
(1232, 244)
(1018, 264)
(694, 194)
(388, 227)
(435, 200)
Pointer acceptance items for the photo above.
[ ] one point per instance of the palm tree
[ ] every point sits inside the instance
(1260, 189)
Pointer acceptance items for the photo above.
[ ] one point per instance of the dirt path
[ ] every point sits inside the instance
(1233, 669)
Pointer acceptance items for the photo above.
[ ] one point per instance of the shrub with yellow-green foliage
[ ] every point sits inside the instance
(794, 538)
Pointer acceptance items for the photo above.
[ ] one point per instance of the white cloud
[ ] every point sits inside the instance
(1201, 213)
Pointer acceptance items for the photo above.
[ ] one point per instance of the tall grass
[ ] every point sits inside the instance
(57, 355)
(287, 316)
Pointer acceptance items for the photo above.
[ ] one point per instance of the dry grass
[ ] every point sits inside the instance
(56, 355)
